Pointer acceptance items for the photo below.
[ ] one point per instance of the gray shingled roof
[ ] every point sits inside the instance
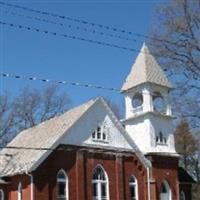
(145, 69)
(47, 135)
(40, 136)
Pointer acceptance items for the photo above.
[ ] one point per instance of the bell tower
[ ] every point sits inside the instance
(148, 115)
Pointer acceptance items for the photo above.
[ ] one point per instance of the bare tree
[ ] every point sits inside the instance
(175, 41)
(29, 108)
(178, 35)
(7, 116)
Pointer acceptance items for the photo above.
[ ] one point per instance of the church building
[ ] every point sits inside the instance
(88, 154)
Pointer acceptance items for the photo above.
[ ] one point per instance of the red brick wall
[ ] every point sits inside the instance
(165, 168)
(79, 165)
(11, 189)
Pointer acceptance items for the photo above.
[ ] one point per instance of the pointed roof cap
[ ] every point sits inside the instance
(145, 69)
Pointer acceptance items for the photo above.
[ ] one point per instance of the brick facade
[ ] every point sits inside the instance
(164, 168)
(79, 164)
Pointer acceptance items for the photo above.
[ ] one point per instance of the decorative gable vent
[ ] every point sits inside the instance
(100, 134)
(160, 139)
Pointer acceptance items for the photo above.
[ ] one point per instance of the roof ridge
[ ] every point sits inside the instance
(53, 118)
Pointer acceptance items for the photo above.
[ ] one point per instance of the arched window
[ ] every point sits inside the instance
(159, 103)
(1, 194)
(19, 192)
(62, 185)
(182, 195)
(100, 184)
(137, 100)
(165, 191)
(133, 187)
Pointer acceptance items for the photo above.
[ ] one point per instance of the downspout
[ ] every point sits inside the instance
(148, 184)
(32, 185)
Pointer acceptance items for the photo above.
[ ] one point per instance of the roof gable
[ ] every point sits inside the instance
(145, 69)
(36, 140)
(96, 117)
(73, 127)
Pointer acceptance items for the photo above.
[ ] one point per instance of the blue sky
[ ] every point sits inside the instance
(41, 55)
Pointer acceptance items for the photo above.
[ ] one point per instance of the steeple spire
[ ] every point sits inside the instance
(148, 115)
(145, 69)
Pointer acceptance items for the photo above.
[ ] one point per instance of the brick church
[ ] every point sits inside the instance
(88, 154)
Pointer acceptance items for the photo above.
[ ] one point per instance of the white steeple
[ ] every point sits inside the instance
(145, 69)
(148, 118)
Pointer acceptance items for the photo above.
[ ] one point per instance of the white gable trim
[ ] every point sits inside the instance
(115, 121)
(140, 155)
(56, 143)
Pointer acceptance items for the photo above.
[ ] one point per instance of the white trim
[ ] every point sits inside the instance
(2, 194)
(66, 181)
(135, 185)
(99, 182)
(118, 124)
(19, 191)
(32, 187)
(167, 187)
(101, 132)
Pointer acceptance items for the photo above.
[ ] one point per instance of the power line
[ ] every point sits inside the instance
(64, 82)
(93, 31)
(59, 148)
(85, 22)
(28, 28)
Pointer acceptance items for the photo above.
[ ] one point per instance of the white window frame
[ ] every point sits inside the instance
(99, 183)
(19, 191)
(135, 185)
(102, 133)
(161, 139)
(168, 189)
(2, 194)
(63, 180)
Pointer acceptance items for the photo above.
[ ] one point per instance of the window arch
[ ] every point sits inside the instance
(1, 194)
(159, 103)
(137, 100)
(100, 184)
(165, 191)
(182, 195)
(19, 192)
(62, 185)
(133, 188)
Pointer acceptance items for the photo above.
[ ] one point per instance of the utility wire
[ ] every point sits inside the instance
(61, 148)
(29, 28)
(115, 29)
(33, 29)
(64, 82)
(93, 31)
(79, 28)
